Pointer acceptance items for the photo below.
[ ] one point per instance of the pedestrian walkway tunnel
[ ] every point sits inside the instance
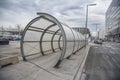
(46, 35)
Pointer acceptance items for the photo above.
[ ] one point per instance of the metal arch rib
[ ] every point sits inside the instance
(41, 48)
(59, 42)
(23, 35)
(78, 41)
(63, 35)
(73, 40)
(52, 40)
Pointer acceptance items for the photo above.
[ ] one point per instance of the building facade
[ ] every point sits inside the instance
(101, 33)
(113, 21)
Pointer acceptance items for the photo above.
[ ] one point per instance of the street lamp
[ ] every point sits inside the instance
(87, 21)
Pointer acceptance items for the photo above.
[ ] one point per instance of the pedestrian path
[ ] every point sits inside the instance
(42, 69)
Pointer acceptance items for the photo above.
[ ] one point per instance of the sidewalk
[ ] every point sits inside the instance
(39, 69)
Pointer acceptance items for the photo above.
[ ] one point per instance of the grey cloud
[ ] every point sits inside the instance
(70, 11)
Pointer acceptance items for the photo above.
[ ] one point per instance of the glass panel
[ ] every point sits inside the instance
(46, 46)
(31, 48)
(55, 45)
(42, 23)
(32, 36)
(68, 32)
(36, 29)
(69, 49)
(47, 37)
(61, 42)
(69, 41)
(56, 37)
(79, 41)
(76, 41)
(55, 28)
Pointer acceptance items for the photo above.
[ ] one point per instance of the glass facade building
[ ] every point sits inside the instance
(113, 21)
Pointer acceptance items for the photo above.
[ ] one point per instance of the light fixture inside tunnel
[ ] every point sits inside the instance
(45, 35)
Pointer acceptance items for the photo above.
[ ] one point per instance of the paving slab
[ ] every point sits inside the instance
(42, 68)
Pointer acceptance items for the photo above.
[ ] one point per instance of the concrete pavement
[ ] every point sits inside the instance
(41, 68)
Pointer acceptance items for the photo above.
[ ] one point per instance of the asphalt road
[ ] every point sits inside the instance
(12, 45)
(12, 49)
(103, 62)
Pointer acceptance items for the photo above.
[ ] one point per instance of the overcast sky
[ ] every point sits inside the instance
(71, 12)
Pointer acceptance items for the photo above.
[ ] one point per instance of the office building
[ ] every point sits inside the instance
(113, 21)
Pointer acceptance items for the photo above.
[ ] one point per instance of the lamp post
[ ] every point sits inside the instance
(87, 21)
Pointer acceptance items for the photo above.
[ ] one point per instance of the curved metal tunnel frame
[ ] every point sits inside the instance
(76, 39)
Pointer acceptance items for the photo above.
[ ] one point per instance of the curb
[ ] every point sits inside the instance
(80, 72)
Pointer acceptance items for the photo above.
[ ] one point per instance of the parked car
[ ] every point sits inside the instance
(98, 41)
(16, 39)
(4, 41)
